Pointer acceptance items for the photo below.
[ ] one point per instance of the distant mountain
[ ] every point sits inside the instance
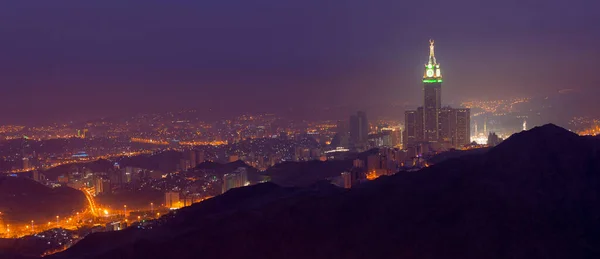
(536, 195)
(23, 200)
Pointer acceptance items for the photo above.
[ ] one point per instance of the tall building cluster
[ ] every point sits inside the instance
(236, 179)
(433, 126)
(191, 159)
(172, 200)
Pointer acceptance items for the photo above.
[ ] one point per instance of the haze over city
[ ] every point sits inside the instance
(299, 129)
(76, 60)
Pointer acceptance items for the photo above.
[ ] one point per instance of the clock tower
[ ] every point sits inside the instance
(432, 103)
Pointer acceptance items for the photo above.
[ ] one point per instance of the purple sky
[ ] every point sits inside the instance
(73, 58)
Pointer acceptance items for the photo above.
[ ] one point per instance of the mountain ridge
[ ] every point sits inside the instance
(521, 199)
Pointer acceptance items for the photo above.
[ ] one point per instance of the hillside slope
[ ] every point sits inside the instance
(533, 196)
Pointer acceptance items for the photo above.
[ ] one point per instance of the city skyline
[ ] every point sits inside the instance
(433, 126)
(257, 129)
(275, 55)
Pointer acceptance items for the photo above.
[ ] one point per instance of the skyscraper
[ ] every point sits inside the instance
(101, 185)
(432, 102)
(172, 200)
(410, 128)
(448, 127)
(359, 128)
(192, 156)
(200, 158)
(463, 127)
(238, 178)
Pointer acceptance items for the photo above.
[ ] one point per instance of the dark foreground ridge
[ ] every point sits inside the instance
(533, 196)
(22, 200)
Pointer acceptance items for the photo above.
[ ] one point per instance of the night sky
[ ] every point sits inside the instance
(75, 59)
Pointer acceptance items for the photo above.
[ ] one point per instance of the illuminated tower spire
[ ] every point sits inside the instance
(432, 61)
(433, 73)
(485, 132)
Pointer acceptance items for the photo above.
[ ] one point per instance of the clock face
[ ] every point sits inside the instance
(429, 72)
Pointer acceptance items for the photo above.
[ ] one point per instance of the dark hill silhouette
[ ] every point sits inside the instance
(451, 154)
(533, 196)
(306, 173)
(23, 200)
(165, 161)
(101, 165)
(225, 167)
(221, 169)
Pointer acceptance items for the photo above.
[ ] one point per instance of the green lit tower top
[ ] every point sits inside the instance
(433, 73)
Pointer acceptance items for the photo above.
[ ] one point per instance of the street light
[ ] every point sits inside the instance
(56, 221)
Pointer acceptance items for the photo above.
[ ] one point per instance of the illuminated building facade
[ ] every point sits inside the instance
(172, 200)
(432, 93)
(236, 179)
(101, 186)
(445, 126)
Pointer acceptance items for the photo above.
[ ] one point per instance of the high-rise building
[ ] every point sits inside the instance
(410, 128)
(358, 163)
(26, 163)
(102, 186)
(463, 127)
(347, 178)
(432, 123)
(172, 200)
(237, 178)
(432, 93)
(200, 158)
(38, 176)
(192, 157)
(184, 164)
(447, 120)
(359, 128)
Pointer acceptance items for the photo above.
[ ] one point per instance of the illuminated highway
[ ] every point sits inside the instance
(91, 202)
